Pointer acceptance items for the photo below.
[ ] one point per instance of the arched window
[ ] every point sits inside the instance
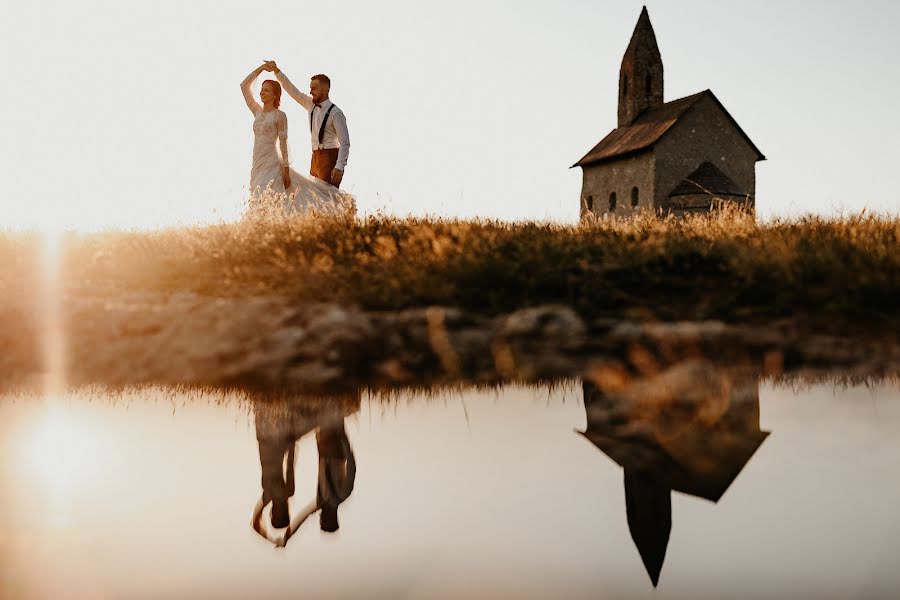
(589, 203)
(634, 196)
(612, 202)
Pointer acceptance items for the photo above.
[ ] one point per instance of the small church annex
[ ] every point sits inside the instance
(683, 156)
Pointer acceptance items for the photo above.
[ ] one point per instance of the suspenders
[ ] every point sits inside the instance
(324, 120)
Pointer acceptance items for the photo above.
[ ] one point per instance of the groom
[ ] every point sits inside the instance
(327, 126)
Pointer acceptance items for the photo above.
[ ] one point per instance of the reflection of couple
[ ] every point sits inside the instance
(279, 428)
(271, 172)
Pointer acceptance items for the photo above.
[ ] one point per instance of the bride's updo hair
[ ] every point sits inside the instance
(276, 89)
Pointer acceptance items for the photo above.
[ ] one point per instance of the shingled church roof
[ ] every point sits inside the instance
(707, 179)
(649, 128)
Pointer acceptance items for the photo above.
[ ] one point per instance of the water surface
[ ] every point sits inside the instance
(710, 483)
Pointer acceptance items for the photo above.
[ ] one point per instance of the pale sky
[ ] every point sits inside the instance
(128, 113)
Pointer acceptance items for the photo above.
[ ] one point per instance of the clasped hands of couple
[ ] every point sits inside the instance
(319, 94)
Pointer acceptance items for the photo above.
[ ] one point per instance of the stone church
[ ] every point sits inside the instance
(682, 156)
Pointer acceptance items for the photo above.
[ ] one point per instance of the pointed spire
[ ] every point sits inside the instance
(648, 504)
(643, 27)
(641, 74)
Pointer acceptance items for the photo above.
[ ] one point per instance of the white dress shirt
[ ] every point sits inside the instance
(336, 133)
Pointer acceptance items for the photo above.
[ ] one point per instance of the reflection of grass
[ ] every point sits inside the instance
(723, 266)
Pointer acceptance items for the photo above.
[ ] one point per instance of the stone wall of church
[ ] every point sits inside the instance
(702, 203)
(705, 133)
(627, 178)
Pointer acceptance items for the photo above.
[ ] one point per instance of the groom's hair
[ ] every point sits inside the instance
(321, 79)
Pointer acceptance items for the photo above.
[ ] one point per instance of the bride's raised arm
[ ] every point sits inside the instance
(246, 84)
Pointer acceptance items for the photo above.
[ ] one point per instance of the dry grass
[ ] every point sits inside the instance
(714, 266)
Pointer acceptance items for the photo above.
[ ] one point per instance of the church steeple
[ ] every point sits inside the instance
(641, 74)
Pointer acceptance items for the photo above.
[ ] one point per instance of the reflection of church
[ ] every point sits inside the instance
(689, 429)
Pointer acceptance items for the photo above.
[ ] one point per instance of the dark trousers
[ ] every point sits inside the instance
(322, 163)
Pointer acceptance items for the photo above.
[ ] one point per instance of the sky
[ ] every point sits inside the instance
(129, 114)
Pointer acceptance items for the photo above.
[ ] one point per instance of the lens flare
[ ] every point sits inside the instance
(50, 301)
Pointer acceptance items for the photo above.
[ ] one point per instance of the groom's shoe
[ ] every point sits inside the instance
(280, 516)
(328, 519)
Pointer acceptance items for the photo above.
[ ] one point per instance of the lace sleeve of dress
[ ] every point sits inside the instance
(246, 84)
(281, 128)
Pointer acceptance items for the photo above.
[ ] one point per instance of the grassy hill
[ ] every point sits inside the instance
(842, 273)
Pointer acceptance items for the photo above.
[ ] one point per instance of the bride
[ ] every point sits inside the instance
(271, 178)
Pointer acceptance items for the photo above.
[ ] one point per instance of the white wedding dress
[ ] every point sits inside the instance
(306, 195)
